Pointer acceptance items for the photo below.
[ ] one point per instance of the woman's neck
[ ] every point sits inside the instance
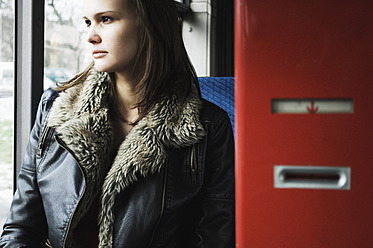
(125, 113)
(126, 99)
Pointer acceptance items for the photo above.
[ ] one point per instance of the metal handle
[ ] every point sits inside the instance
(312, 177)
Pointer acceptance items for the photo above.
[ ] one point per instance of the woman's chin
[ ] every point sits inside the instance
(101, 68)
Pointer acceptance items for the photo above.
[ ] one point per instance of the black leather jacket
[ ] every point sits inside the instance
(187, 202)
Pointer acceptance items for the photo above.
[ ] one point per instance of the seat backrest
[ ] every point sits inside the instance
(219, 90)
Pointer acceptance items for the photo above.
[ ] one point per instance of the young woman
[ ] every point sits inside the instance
(127, 154)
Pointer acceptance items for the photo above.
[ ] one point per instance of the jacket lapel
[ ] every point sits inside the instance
(80, 117)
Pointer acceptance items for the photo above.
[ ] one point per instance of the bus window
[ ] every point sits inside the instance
(6, 105)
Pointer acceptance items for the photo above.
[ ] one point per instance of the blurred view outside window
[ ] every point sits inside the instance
(6, 105)
(65, 41)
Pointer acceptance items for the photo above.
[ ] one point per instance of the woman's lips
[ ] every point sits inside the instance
(98, 54)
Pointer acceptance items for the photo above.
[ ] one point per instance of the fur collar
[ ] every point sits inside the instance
(80, 116)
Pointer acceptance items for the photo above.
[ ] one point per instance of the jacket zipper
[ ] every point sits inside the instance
(42, 140)
(48, 244)
(193, 165)
(163, 202)
(72, 216)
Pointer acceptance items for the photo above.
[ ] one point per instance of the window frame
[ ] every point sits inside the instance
(29, 71)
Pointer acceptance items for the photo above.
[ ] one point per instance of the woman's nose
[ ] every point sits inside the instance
(93, 36)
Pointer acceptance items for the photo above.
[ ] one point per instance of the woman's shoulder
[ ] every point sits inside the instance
(213, 114)
(49, 95)
(47, 99)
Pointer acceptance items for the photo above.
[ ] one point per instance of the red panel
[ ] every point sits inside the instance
(299, 50)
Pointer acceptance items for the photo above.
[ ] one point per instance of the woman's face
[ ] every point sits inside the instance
(113, 34)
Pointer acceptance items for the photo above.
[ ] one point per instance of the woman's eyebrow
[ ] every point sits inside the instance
(108, 12)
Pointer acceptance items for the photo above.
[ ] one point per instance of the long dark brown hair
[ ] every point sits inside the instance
(162, 55)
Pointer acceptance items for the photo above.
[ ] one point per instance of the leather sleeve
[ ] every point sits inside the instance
(26, 224)
(216, 226)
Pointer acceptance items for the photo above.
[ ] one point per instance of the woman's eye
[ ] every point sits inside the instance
(88, 23)
(107, 19)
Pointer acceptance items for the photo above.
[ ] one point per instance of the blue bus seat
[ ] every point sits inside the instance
(219, 90)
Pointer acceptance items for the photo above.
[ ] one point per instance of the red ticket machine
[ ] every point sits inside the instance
(304, 123)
